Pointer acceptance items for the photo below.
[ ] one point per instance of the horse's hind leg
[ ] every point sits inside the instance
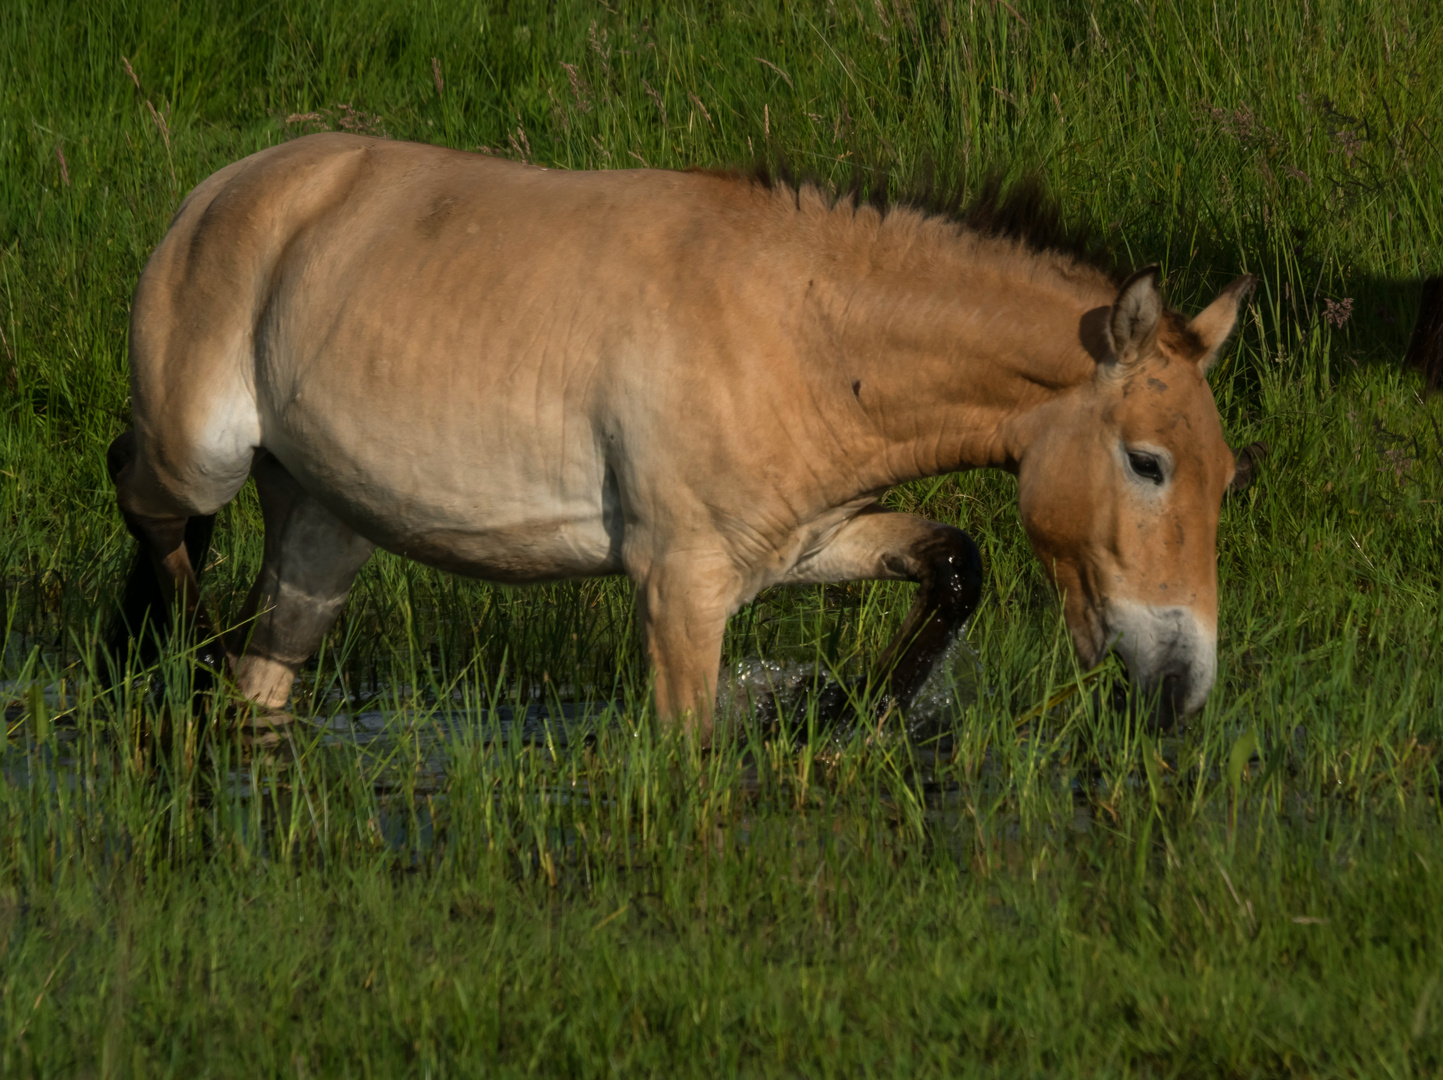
(311, 558)
(173, 546)
(943, 561)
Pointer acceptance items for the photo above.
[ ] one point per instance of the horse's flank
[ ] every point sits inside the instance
(524, 374)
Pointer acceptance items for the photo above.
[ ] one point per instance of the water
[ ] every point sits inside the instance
(796, 687)
(954, 683)
(403, 753)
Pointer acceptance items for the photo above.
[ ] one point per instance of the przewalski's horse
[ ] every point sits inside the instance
(693, 379)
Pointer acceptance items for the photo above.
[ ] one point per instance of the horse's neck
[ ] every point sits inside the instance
(955, 371)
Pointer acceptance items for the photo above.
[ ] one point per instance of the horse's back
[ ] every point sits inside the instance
(451, 350)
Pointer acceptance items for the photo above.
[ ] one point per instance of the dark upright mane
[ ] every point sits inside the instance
(1025, 211)
(1022, 210)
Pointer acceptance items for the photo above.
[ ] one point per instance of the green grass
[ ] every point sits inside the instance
(1043, 892)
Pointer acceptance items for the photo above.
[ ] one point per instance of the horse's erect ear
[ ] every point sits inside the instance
(1134, 317)
(1245, 464)
(1216, 322)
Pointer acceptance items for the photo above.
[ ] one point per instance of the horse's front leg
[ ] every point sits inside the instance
(879, 544)
(684, 599)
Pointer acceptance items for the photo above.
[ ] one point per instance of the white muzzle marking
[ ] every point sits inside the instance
(1158, 642)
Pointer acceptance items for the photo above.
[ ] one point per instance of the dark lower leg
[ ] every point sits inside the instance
(168, 543)
(949, 588)
(171, 549)
(948, 569)
(311, 558)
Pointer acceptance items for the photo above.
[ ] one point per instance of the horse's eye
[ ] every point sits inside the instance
(1146, 466)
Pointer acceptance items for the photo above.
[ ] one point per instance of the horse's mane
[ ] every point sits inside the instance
(1021, 210)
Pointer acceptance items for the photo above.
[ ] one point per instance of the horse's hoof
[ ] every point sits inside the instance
(265, 728)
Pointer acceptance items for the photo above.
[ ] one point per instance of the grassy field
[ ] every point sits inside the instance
(1039, 890)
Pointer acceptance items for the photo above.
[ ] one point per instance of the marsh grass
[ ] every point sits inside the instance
(1035, 888)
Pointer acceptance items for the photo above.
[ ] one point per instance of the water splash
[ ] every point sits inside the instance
(791, 687)
(954, 683)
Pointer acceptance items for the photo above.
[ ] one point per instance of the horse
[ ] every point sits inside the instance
(697, 379)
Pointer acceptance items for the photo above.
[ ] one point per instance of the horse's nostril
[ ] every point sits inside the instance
(1161, 710)
(1121, 694)
(1170, 707)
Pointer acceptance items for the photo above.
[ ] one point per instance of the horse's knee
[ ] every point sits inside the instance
(951, 570)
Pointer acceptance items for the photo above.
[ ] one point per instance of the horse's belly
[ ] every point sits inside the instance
(476, 518)
(535, 551)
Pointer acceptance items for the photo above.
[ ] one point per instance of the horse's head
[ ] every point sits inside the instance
(1121, 488)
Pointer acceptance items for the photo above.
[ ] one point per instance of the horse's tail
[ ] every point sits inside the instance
(1425, 348)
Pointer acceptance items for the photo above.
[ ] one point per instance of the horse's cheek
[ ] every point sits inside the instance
(1048, 527)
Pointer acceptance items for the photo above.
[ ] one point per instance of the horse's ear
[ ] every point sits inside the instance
(1245, 464)
(1134, 316)
(1215, 324)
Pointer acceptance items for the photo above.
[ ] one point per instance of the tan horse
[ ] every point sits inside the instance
(693, 379)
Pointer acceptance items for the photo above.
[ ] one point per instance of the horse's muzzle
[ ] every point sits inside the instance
(1171, 659)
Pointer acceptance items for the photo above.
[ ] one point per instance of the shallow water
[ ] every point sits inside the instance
(955, 682)
(426, 730)
(405, 751)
